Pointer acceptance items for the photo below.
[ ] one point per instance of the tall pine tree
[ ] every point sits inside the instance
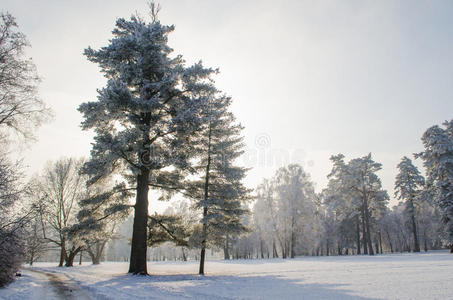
(218, 190)
(408, 185)
(438, 161)
(144, 117)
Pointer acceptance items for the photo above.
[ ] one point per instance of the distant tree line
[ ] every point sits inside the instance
(351, 215)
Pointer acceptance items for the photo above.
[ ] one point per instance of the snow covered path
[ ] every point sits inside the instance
(34, 284)
(397, 276)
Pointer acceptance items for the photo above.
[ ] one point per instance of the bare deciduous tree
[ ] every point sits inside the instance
(21, 110)
(59, 188)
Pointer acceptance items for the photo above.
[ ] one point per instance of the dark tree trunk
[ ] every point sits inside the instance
(262, 248)
(226, 250)
(205, 208)
(293, 239)
(32, 258)
(62, 253)
(380, 242)
(72, 254)
(367, 224)
(390, 240)
(358, 234)
(451, 248)
(425, 243)
(274, 250)
(283, 251)
(139, 235)
(203, 243)
(80, 258)
(414, 229)
(184, 257)
(364, 235)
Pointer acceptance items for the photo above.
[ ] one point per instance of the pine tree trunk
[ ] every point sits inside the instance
(205, 208)
(293, 239)
(390, 241)
(380, 242)
(425, 243)
(203, 243)
(80, 258)
(139, 235)
(358, 235)
(364, 235)
(451, 248)
(226, 252)
(262, 248)
(367, 223)
(414, 228)
(327, 247)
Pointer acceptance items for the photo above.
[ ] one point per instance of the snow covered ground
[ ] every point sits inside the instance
(30, 286)
(398, 276)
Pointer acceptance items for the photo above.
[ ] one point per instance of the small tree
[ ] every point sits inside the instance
(59, 189)
(408, 185)
(35, 244)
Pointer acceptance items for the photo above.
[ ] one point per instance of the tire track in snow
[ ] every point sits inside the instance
(63, 286)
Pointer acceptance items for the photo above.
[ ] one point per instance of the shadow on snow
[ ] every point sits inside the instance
(217, 287)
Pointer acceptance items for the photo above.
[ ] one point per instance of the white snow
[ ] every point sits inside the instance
(397, 276)
(29, 286)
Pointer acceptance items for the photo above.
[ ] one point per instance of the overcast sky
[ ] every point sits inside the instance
(309, 78)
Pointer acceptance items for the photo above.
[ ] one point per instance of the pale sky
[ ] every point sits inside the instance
(309, 78)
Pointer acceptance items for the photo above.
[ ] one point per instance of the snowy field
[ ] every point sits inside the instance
(398, 276)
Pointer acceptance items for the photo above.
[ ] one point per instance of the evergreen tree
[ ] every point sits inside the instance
(144, 117)
(339, 200)
(408, 185)
(438, 161)
(365, 183)
(358, 186)
(218, 191)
